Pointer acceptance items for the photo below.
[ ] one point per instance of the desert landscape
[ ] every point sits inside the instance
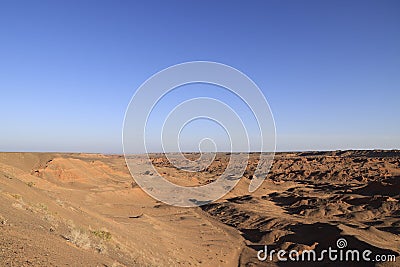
(61, 209)
(199, 133)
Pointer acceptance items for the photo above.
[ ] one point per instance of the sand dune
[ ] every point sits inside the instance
(85, 210)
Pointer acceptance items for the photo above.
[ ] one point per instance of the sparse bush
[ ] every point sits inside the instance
(3, 221)
(51, 219)
(70, 223)
(42, 207)
(103, 235)
(30, 184)
(101, 248)
(59, 202)
(79, 238)
(16, 196)
(17, 206)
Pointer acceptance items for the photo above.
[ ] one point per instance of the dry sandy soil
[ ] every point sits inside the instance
(85, 210)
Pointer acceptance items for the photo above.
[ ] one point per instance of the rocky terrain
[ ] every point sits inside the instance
(86, 210)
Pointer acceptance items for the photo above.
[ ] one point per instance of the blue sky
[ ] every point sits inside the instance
(329, 69)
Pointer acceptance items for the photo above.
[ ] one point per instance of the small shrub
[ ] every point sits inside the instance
(17, 206)
(51, 219)
(79, 238)
(16, 196)
(103, 235)
(30, 184)
(3, 221)
(59, 202)
(101, 248)
(42, 207)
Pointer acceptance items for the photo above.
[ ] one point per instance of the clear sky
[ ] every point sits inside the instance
(330, 70)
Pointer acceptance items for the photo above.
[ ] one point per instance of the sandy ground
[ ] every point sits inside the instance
(85, 210)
